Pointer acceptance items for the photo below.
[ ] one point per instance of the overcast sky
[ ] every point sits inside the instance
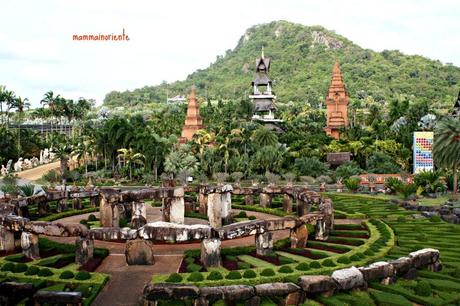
(170, 39)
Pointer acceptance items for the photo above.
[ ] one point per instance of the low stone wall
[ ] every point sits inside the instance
(447, 212)
(306, 286)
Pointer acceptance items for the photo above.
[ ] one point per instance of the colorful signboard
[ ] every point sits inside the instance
(423, 151)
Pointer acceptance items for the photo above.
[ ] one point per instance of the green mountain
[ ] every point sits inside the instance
(302, 60)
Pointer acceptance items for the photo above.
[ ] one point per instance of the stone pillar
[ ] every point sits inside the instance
(321, 231)
(210, 252)
(62, 205)
(248, 199)
(6, 240)
(174, 207)
(287, 202)
(226, 207)
(302, 207)
(94, 201)
(299, 237)
(139, 214)
(214, 211)
(43, 208)
(76, 203)
(220, 206)
(139, 252)
(109, 214)
(264, 243)
(84, 250)
(265, 200)
(29, 245)
(203, 202)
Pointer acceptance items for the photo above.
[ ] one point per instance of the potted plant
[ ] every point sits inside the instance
(371, 180)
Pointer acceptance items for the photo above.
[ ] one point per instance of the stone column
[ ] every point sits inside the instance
(287, 202)
(29, 245)
(76, 203)
(43, 208)
(321, 231)
(248, 199)
(94, 201)
(219, 206)
(302, 207)
(62, 205)
(139, 252)
(214, 210)
(109, 214)
(84, 250)
(203, 202)
(226, 207)
(174, 207)
(299, 237)
(265, 200)
(139, 214)
(210, 252)
(6, 240)
(264, 243)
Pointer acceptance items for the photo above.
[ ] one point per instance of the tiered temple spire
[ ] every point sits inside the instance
(193, 121)
(336, 104)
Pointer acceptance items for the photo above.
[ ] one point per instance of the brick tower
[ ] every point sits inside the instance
(193, 121)
(336, 104)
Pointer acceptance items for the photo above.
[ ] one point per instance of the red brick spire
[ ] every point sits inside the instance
(336, 103)
(193, 121)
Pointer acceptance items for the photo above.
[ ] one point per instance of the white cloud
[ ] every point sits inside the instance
(171, 39)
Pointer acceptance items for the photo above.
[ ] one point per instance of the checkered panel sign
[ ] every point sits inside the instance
(423, 154)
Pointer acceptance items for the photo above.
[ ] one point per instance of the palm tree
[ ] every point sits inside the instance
(62, 147)
(50, 100)
(83, 149)
(180, 161)
(20, 104)
(264, 137)
(446, 147)
(129, 158)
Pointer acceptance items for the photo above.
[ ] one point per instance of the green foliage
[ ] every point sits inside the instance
(9, 266)
(45, 272)
(193, 267)
(328, 263)
(407, 190)
(423, 288)
(82, 275)
(249, 274)
(303, 266)
(353, 184)
(382, 163)
(315, 265)
(67, 275)
(310, 166)
(233, 275)
(174, 278)
(32, 270)
(92, 218)
(435, 219)
(195, 277)
(348, 169)
(243, 265)
(267, 272)
(393, 183)
(241, 214)
(285, 269)
(343, 260)
(215, 275)
(20, 268)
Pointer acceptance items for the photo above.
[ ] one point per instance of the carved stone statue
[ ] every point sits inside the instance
(9, 165)
(4, 170)
(18, 165)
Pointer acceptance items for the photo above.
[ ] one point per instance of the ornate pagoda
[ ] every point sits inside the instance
(456, 111)
(336, 104)
(262, 95)
(193, 121)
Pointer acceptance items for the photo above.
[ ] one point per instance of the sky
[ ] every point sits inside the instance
(172, 38)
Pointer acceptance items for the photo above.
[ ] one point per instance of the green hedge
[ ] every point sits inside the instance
(68, 213)
(266, 210)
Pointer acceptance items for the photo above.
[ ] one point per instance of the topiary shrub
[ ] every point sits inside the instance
(32, 270)
(20, 268)
(82, 275)
(45, 272)
(174, 278)
(285, 269)
(328, 263)
(189, 260)
(423, 288)
(233, 275)
(369, 253)
(9, 267)
(249, 274)
(92, 218)
(361, 255)
(401, 219)
(343, 260)
(193, 268)
(267, 272)
(214, 275)
(303, 266)
(355, 258)
(66, 275)
(315, 265)
(195, 277)
(252, 217)
(241, 214)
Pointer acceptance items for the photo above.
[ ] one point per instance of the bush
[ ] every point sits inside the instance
(423, 288)
(355, 258)
(195, 277)
(241, 214)
(344, 260)
(233, 275)
(243, 265)
(92, 218)
(401, 219)
(435, 218)
(214, 275)
(174, 278)
(393, 184)
(193, 268)
(310, 166)
(267, 272)
(315, 265)
(20, 268)
(45, 272)
(66, 275)
(249, 274)
(347, 169)
(32, 270)
(328, 263)
(9, 266)
(381, 163)
(353, 184)
(252, 217)
(82, 275)
(407, 190)
(189, 260)
(303, 266)
(285, 269)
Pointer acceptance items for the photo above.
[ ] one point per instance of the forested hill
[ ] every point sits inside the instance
(302, 60)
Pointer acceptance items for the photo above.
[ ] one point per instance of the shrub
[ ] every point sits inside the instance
(315, 265)
(9, 266)
(369, 253)
(393, 184)
(381, 163)
(285, 269)
(249, 274)
(241, 214)
(310, 166)
(32, 270)
(193, 268)
(92, 218)
(123, 223)
(66, 275)
(252, 217)
(174, 278)
(267, 272)
(233, 275)
(45, 272)
(328, 263)
(435, 218)
(423, 288)
(343, 260)
(347, 169)
(355, 257)
(243, 265)
(401, 219)
(20, 268)
(195, 277)
(407, 190)
(214, 275)
(361, 255)
(189, 260)
(82, 275)
(353, 184)
(303, 266)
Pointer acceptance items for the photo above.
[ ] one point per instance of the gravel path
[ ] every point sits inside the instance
(36, 173)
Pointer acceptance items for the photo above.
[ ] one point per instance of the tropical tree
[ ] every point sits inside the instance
(61, 146)
(179, 161)
(129, 158)
(264, 137)
(446, 147)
